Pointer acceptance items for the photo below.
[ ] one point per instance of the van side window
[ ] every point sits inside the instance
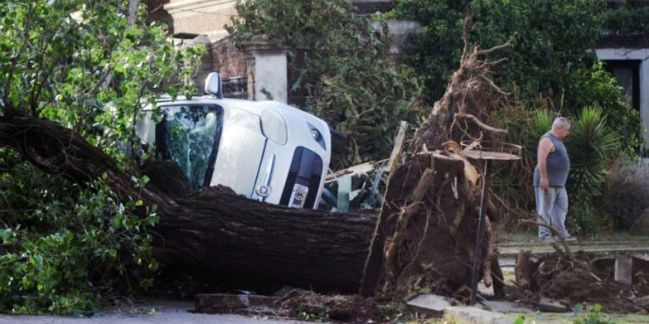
(189, 135)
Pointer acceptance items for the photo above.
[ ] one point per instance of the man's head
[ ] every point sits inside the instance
(561, 127)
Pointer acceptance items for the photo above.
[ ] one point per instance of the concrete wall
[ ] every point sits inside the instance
(641, 55)
(270, 76)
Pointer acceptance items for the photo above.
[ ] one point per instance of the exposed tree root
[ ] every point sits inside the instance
(427, 228)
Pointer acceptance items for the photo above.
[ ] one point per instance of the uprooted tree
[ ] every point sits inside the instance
(423, 238)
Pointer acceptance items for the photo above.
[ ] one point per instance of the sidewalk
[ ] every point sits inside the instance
(147, 312)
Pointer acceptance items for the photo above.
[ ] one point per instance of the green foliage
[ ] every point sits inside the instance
(541, 122)
(592, 147)
(550, 38)
(65, 246)
(308, 314)
(592, 86)
(84, 65)
(368, 105)
(437, 47)
(340, 64)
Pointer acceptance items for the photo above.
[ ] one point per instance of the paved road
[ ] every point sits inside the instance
(164, 312)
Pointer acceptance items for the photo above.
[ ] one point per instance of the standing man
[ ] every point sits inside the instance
(550, 175)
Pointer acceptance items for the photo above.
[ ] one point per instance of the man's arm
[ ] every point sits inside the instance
(545, 147)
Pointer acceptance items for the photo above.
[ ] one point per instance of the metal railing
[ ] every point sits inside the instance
(235, 87)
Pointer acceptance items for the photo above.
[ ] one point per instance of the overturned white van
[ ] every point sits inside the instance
(265, 150)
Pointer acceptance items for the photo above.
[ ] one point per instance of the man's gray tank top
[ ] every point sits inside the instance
(558, 164)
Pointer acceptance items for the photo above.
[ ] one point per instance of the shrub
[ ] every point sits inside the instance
(551, 38)
(595, 87)
(592, 147)
(627, 193)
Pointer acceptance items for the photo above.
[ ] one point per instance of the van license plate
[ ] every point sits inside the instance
(298, 197)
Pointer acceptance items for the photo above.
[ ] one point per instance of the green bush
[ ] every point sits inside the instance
(630, 18)
(87, 66)
(64, 247)
(592, 147)
(592, 86)
(627, 194)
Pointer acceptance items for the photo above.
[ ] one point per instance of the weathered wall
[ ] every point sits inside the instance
(228, 59)
(270, 76)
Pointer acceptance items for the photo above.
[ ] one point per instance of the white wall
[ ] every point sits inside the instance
(271, 74)
(634, 54)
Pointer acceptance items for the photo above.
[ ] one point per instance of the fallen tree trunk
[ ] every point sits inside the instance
(247, 241)
(234, 240)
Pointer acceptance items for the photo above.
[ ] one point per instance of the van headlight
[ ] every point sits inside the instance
(274, 127)
(317, 136)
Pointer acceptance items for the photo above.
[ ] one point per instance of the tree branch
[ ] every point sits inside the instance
(480, 123)
(497, 47)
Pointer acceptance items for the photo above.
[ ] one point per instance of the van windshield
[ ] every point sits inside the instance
(189, 135)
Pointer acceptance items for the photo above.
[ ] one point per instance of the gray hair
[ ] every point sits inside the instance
(561, 122)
